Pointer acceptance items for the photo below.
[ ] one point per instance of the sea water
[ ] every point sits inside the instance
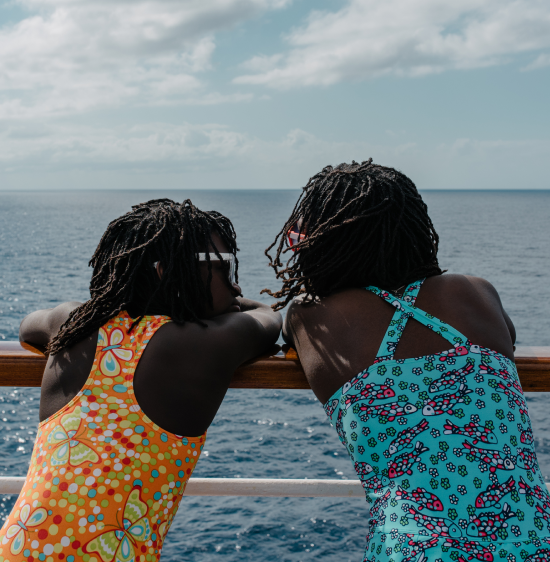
(46, 240)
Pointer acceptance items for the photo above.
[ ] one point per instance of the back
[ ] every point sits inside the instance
(443, 446)
(339, 336)
(104, 479)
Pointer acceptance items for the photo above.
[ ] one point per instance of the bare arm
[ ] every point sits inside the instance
(489, 292)
(198, 363)
(288, 334)
(227, 341)
(247, 334)
(38, 328)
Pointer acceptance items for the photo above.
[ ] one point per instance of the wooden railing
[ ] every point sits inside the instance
(23, 365)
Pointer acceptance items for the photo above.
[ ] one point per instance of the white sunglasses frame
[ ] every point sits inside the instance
(229, 258)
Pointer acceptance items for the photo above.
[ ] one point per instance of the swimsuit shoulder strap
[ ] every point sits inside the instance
(399, 320)
(405, 309)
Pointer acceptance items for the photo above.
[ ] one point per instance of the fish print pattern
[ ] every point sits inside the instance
(371, 482)
(540, 499)
(536, 492)
(475, 431)
(405, 438)
(448, 460)
(403, 463)
(366, 392)
(421, 497)
(445, 403)
(514, 399)
(417, 548)
(526, 436)
(438, 526)
(472, 548)
(542, 555)
(488, 523)
(492, 495)
(451, 380)
(493, 459)
(376, 511)
(526, 459)
(510, 382)
(391, 411)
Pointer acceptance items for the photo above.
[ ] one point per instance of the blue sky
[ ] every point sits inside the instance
(264, 93)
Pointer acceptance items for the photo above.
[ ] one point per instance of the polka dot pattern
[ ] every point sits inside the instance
(105, 482)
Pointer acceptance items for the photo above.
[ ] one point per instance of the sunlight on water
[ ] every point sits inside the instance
(46, 240)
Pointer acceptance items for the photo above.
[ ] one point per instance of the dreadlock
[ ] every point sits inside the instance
(124, 275)
(365, 224)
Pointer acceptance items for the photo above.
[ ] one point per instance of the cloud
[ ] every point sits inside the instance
(70, 56)
(369, 38)
(213, 155)
(143, 147)
(156, 148)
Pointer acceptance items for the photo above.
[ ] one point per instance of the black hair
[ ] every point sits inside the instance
(365, 224)
(124, 274)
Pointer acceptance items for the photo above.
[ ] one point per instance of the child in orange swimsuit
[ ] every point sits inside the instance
(134, 378)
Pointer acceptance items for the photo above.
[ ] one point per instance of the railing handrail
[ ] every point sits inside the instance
(23, 365)
(251, 487)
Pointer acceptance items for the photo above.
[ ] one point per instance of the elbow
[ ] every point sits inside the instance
(32, 331)
(24, 332)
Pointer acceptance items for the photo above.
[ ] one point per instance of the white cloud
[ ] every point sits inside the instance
(142, 146)
(69, 56)
(369, 38)
(212, 155)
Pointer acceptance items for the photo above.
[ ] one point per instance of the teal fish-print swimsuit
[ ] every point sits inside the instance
(444, 449)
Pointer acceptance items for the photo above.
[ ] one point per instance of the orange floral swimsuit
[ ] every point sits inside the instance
(104, 482)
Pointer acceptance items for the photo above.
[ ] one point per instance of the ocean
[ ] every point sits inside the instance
(46, 240)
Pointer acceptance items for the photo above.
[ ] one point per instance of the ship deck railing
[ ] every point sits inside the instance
(22, 365)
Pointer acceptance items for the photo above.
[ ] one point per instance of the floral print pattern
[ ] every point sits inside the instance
(105, 481)
(444, 450)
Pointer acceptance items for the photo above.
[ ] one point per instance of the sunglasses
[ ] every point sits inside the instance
(294, 236)
(228, 259)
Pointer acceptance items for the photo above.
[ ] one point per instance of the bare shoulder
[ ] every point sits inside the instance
(303, 311)
(463, 285)
(299, 308)
(302, 308)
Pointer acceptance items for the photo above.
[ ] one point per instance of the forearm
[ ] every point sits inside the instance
(270, 321)
(248, 305)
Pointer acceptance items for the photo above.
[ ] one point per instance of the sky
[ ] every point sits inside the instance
(262, 94)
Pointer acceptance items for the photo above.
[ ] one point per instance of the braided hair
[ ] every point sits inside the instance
(365, 224)
(124, 273)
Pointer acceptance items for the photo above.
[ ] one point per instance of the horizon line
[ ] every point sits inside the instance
(88, 190)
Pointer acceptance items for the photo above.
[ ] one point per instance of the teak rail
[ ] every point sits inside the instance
(23, 365)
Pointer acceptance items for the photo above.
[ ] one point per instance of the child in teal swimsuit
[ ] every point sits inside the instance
(438, 430)
(443, 463)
